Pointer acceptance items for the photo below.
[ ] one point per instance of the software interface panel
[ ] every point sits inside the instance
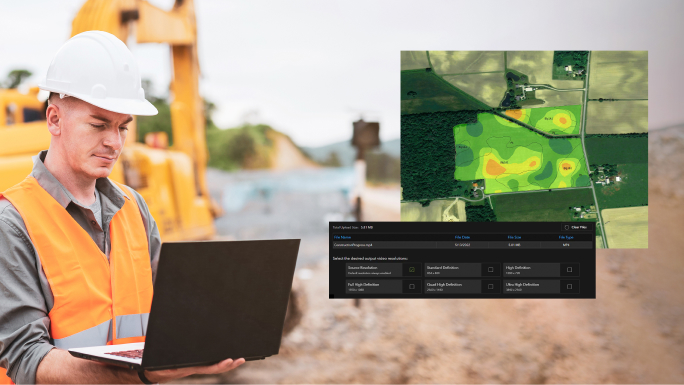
(462, 260)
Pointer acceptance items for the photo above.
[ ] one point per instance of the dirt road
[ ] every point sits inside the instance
(631, 333)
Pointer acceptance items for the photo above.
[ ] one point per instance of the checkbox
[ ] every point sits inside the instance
(490, 269)
(490, 286)
(569, 269)
(412, 286)
(569, 286)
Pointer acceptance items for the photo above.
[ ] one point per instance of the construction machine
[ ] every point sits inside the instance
(172, 180)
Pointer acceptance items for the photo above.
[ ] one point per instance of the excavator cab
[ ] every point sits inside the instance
(22, 134)
(172, 180)
(17, 108)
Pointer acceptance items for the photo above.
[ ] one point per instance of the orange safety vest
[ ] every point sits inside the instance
(97, 302)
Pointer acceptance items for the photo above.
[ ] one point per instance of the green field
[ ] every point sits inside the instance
(511, 158)
(616, 149)
(423, 91)
(563, 120)
(631, 191)
(540, 206)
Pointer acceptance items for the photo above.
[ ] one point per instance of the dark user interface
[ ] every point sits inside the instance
(462, 260)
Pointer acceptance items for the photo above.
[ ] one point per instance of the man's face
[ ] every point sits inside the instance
(92, 138)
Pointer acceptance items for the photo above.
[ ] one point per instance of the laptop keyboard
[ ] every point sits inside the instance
(138, 353)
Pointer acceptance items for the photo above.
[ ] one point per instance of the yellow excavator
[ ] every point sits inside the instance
(172, 180)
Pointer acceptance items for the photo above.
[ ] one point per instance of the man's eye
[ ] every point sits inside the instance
(124, 128)
(97, 125)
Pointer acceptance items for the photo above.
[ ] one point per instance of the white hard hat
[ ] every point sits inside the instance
(98, 68)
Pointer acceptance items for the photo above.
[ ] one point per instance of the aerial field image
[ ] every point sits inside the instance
(527, 136)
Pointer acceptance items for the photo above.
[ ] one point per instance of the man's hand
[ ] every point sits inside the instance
(59, 367)
(172, 374)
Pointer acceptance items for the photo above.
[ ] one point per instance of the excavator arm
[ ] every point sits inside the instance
(178, 28)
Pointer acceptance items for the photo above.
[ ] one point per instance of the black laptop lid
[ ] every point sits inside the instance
(215, 300)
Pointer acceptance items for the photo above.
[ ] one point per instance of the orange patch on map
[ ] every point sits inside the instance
(533, 163)
(562, 120)
(567, 167)
(494, 168)
(515, 114)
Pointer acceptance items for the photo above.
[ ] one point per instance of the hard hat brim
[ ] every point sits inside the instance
(140, 107)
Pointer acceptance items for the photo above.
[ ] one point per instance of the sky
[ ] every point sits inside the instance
(310, 68)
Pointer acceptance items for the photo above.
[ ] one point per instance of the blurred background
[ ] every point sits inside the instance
(255, 141)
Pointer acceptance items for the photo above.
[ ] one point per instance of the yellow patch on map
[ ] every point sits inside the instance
(517, 114)
(562, 120)
(493, 167)
(566, 167)
(562, 184)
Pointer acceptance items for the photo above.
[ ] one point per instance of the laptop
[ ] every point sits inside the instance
(213, 300)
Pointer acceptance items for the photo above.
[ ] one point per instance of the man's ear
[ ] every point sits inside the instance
(54, 117)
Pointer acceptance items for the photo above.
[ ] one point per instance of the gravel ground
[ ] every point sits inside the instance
(631, 333)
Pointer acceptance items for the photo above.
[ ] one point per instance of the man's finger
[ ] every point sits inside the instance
(236, 363)
(216, 368)
(224, 366)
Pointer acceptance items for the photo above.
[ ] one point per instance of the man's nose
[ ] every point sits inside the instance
(114, 138)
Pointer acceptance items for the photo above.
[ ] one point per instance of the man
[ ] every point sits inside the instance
(78, 251)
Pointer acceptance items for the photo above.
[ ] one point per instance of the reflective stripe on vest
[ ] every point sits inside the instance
(132, 325)
(96, 302)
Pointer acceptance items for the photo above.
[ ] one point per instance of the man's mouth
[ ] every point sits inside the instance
(105, 158)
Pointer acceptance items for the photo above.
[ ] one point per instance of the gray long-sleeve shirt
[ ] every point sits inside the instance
(25, 294)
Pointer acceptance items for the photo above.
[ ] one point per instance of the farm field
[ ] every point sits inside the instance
(556, 98)
(438, 211)
(412, 60)
(616, 150)
(540, 206)
(618, 117)
(632, 190)
(599, 243)
(538, 65)
(488, 88)
(626, 228)
(557, 120)
(423, 91)
(516, 159)
(561, 59)
(563, 120)
(618, 75)
(460, 62)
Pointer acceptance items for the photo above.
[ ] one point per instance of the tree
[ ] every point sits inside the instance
(162, 121)
(428, 152)
(482, 213)
(209, 108)
(241, 148)
(332, 161)
(16, 77)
